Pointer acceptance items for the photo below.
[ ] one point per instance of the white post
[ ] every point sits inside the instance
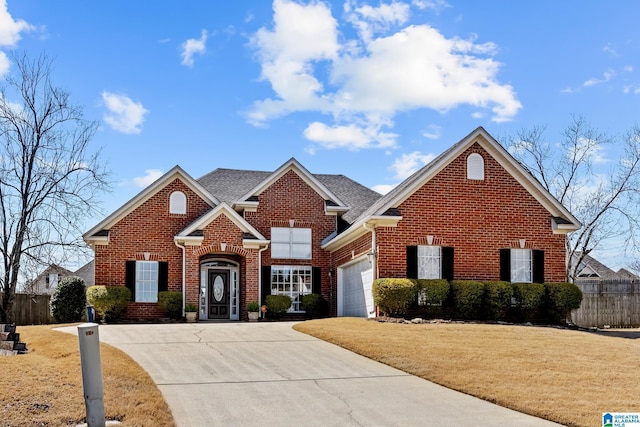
(91, 373)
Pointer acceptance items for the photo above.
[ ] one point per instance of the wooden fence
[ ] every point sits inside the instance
(31, 310)
(608, 303)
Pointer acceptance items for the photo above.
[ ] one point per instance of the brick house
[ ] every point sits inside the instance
(235, 236)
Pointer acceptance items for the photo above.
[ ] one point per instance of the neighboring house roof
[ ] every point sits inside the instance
(41, 285)
(384, 210)
(87, 273)
(590, 268)
(99, 232)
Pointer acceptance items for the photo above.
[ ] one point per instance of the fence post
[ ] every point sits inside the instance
(91, 374)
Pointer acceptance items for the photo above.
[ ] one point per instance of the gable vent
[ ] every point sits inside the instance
(475, 167)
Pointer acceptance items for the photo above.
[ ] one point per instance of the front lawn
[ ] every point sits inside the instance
(44, 387)
(566, 376)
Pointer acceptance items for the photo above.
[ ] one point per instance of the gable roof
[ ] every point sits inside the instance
(385, 209)
(233, 185)
(99, 233)
(592, 268)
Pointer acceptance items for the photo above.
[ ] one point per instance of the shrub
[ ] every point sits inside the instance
(277, 305)
(528, 300)
(253, 306)
(431, 295)
(561, 298)
(497, 299)
(190, 308)
(69, 301)
(110, 302)
(315, 305)
(170, 303)
(467, 298)
(394, 296)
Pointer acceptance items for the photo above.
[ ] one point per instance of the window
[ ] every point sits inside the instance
(429, 262)
(146, 281)
(293, 281)
(475, 167)
(291, 243)
(522, 265)
(177, 203)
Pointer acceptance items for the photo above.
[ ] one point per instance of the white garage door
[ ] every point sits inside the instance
(357, 300)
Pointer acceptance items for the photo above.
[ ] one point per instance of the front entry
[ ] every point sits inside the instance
(218, 294)
(219, 289)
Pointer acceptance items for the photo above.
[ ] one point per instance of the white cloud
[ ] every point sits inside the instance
(363, 83)
(606, 76)
(435, 5)
(10, 29)
(432, 132)
(405, 165)
(383, 188)
(123, 115)
(151, 176)
(4, 64)
(192, 47)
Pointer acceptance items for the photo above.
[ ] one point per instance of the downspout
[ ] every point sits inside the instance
(374, 251)
(184, 275)
(260, 273)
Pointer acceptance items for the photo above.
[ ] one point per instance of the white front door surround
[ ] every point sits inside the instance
(215, 269)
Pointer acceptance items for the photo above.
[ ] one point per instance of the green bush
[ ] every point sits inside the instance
(467, 298)
(394, 296)
(497, 299)
(110, 302)
(170, 303)
(277, 305)
(315, 305)
(560, 299)
(68, 301)
(528, 301)
(431, 295)
(253, 306)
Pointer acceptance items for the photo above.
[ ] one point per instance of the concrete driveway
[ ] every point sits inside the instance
(267, 374)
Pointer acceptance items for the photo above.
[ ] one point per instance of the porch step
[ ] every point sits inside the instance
(10, 344)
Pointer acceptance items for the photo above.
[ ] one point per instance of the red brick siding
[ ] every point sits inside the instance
(477, 218)
(290, 198)
(148, 228)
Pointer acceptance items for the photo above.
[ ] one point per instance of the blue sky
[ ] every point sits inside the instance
(371, 90)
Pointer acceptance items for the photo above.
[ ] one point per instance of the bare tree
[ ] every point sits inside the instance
(606, 203)
(49, 176)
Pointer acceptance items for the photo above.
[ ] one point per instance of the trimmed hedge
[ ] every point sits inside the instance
(467, 298)
(528, 301)
(394, 296)
(497, 299)
(277, 305)
(170, 303)
(68, 301)
(560, 299)
(314, 305)
(431, 296)
(110, 302)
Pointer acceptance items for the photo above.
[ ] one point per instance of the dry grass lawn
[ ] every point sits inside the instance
(569, 377)
(44, 387)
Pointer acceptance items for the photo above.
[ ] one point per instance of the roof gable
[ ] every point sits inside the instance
(97, 232)
(304, 174)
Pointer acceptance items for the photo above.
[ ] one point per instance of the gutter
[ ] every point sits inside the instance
(184, 275)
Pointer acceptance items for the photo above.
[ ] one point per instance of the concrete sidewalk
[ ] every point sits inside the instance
(267, 374)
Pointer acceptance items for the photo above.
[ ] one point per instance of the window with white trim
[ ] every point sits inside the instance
(178, 203)
(429, 262)
(293, 281)
(290, 243)
(475, 167)
(146, 281)
(521, 266)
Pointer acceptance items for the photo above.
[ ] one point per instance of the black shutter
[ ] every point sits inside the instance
(316, 280)
(447, 263)
(505, 265)
(538, 266)
(266, 282)
(163, 276)
(130, 278)
(412, 262)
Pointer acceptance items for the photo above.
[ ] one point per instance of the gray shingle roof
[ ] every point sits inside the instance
(228, 185)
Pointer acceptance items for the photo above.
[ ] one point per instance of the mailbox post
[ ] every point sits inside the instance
(91, 374)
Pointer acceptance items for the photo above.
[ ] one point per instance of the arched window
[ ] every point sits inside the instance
(178, 203)
(475, 167)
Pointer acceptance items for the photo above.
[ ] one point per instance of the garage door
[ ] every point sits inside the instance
(357, 300)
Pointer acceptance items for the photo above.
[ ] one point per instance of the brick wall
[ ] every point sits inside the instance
(149, 228)
(477, 218)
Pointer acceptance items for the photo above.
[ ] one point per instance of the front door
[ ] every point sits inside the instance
(218, 294)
